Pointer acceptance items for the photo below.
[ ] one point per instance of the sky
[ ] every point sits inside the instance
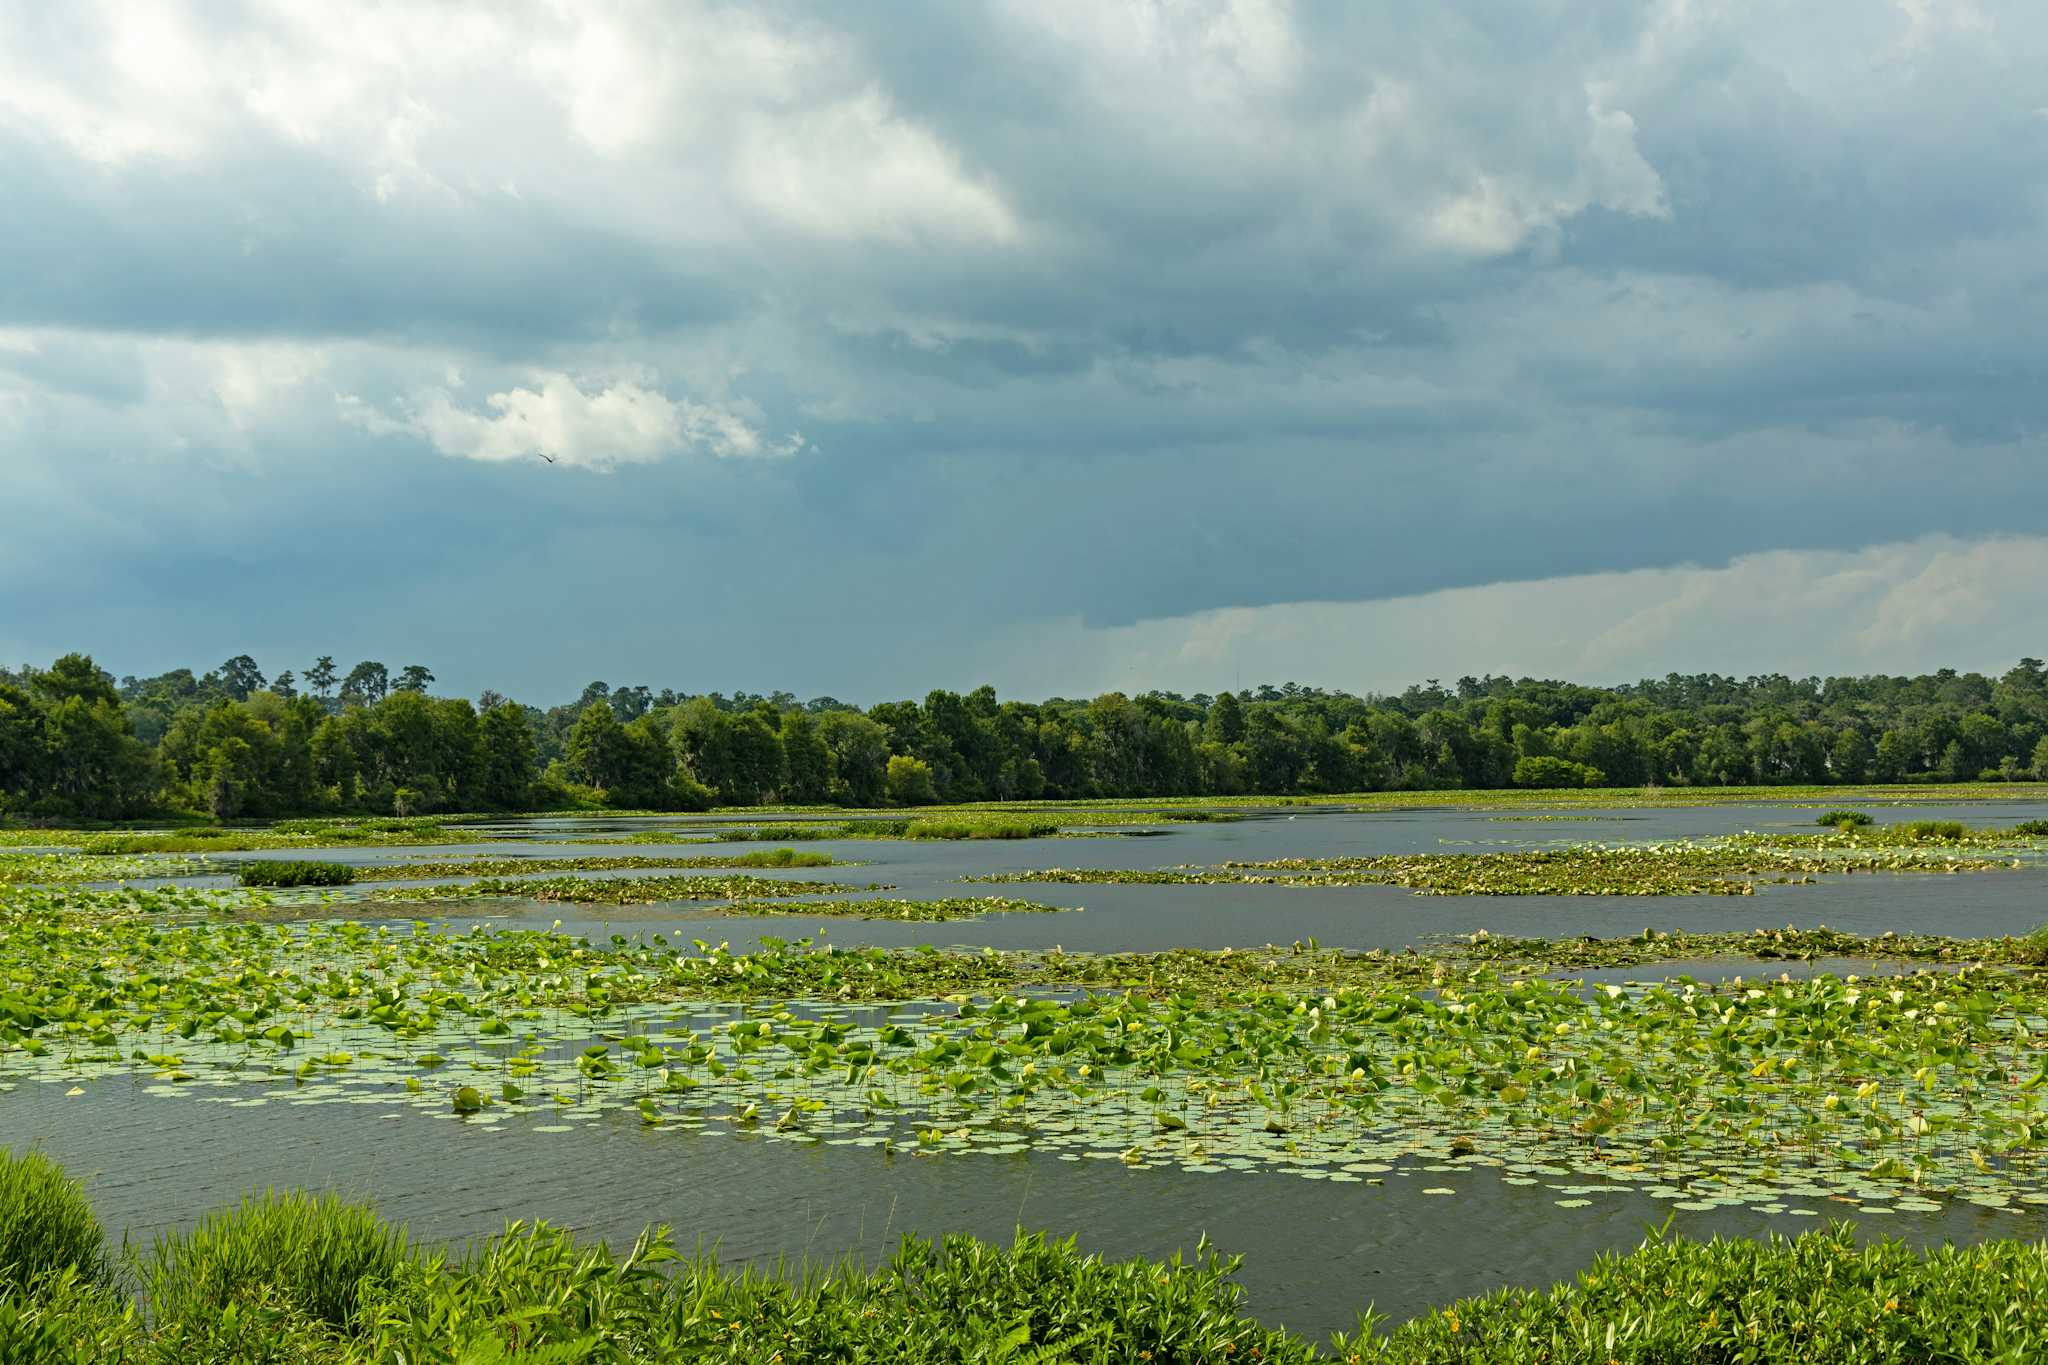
(1057, 344)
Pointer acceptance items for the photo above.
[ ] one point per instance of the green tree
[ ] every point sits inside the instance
(340, 747)
(73, 677)
(506, 737)
(231, 768)
(1983, 739)
(2041, 760)
(701, 736)
(1850, 756)
(239, 677)
(1544, 770)
(367, 682)
(758, 768)
(22, 752)
(806, 759)
(909, 781)
(414, 678)
(322, 675)
(646, 768)
(596, 754)
(1955, 763)
(1894, 757)
(859, 751)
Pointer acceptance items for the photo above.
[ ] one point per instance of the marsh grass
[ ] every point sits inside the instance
(786, 833)
(516, 867)
(1818, 1297)
(45, 868)
(317, 1260)
(944, 908)
(626, 890)
(1845, 819)
(277, 874)
(316, 1281)
(1932, 831)
(283, 834)
(1731, 867)
(915, 827)
(46, 1225)
(982, 827)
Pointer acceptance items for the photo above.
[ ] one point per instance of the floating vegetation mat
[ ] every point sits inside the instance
(515, 867)
(1789, 944)
(622, 890)
(95, 867)
(919, 827)
(2025, 836)
(1897, 1093)
(947, 908)
(1679, 869)
(338, 833)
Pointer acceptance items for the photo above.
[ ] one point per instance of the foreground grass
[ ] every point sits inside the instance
(294, 1278)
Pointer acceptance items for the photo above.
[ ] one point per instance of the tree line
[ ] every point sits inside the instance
(232, 743)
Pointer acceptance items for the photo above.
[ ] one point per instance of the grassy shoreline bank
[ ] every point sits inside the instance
(313, 1280)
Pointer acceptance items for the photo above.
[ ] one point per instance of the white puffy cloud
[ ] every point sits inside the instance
(617, 423)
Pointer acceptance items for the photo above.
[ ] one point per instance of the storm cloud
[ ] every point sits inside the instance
(854, 349)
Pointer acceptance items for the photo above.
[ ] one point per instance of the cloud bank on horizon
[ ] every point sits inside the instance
(1057, 343)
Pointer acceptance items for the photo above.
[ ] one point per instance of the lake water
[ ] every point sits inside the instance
(1316, 1252)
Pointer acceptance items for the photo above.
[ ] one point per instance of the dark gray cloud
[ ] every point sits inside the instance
(862, 337)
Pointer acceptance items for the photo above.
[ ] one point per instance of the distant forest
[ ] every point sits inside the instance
(77, 743)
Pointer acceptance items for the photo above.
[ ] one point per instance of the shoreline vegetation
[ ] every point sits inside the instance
(77, 744)
(314, 1280)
